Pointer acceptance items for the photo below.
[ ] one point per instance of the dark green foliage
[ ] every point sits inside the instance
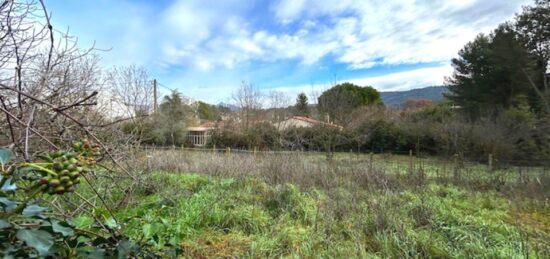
(491, 74)
(532, 26)
(383, 136)
(262, 136)
(208, 112)
(166, 126)
(227, 138)
(341, 100)
(506, 68)
(301, 107)
(28, 229)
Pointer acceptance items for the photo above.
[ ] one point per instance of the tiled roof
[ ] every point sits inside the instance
(314, 121)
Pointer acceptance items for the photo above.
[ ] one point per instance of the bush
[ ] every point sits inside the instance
(383, 136)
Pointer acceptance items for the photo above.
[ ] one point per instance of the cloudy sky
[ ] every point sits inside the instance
(205, 49)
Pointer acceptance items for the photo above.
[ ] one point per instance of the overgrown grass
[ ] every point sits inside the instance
(211, 216)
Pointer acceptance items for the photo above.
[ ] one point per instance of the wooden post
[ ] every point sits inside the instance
(255, 148)
(214, 149)
(371, 161)
(411, 165)
(228, 152)
(490, 162)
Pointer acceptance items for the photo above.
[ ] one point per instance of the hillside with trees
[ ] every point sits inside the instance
(397, 99)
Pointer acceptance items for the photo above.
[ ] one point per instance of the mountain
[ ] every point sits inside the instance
(228, 106)
(397, 98)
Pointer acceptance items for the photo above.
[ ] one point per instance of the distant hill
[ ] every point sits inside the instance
(397, 98)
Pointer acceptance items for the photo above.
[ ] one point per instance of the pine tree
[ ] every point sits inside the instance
(490, 74)
(301, 107)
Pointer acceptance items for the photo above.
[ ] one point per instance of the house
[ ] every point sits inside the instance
(199, 136)
(302, 122)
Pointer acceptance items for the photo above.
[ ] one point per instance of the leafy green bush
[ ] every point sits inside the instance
(29, 229)
(384, 136)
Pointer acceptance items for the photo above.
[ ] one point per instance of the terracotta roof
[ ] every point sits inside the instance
(207, 126)
(314, 121)
(307, 119)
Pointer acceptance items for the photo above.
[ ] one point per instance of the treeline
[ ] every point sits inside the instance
(498, 103)
(514, 136)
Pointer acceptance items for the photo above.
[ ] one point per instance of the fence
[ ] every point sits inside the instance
(405, 164)
(489, 161)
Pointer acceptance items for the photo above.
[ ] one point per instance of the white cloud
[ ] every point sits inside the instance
(195, 36)
(360, 34)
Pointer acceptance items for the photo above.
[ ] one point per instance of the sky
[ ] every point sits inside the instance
(205, 49)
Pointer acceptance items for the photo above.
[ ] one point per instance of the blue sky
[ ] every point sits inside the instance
(205, 49)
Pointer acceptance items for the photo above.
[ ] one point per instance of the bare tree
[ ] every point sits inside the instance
(248, 100)
(278, 104)
(49, 91)
(131, 86)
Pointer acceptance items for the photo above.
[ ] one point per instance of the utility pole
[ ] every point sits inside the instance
(154, 95)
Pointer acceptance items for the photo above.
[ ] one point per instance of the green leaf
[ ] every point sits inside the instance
(124, 248)
(4, 224)
(111, 223)
(63, 230)
(91, 252)
(82, 239)
(96, 254)
(7, 204)
(37, 239)
(149, 230)
(33, 210)
(8, 185)
(5, 156)
(83, 222)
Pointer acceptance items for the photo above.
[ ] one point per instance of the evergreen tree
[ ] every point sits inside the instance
(169, 121)
(491, 74)
(301, 107)
(341, 100)
(533, 25)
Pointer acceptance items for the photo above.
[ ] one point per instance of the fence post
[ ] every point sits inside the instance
(228, 152)
(490, 162)
(214, 149)
(411, 165)
(371, 160)
(255, 149)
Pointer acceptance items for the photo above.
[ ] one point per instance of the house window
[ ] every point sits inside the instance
(198, 138)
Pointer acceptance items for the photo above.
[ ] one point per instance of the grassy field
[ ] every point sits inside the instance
(295, 207)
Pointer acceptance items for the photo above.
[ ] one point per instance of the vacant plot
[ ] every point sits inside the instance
(292, 206)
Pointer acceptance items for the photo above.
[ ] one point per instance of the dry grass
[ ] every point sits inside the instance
(379, 172)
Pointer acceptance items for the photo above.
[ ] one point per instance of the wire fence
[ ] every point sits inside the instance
(489, 161)
(313, 166)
